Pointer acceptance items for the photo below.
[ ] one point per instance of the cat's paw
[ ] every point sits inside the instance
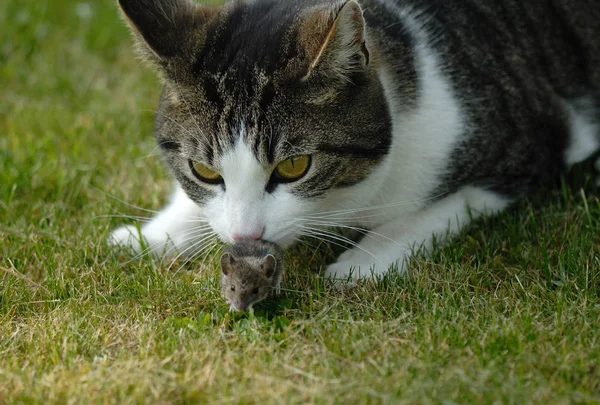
(347, 272)
(127, 237)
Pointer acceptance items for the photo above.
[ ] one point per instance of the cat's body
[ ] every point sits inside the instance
(408, 118)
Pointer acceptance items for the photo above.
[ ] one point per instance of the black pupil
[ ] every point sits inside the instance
(232, 287)
(255, 291)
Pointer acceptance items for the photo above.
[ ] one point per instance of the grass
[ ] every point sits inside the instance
(507, 313)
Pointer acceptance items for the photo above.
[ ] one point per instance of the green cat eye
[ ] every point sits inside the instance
(293, 169)
(205, 173)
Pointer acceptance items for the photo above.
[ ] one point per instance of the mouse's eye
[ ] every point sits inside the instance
(255, 291)
(232, 287)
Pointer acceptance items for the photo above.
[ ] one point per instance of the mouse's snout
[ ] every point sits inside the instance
(240, 306)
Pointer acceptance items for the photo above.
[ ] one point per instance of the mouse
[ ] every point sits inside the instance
(250, 271)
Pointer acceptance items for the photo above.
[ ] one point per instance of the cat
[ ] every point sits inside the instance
(402, 120)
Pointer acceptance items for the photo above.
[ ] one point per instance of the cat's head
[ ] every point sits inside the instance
(271, 111)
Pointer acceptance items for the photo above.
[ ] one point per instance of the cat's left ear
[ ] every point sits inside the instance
(344, 49)
(168, 29)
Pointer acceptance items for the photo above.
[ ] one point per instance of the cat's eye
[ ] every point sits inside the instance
(232, 287)
(205, 173)
(255, 291)
(293, 169)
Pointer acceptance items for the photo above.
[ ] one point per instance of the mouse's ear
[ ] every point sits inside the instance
(269, 263)
(227, 260)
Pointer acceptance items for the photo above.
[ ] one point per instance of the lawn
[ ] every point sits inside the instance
(509, 312)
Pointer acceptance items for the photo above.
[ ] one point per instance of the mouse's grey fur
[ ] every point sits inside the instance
(250, 271)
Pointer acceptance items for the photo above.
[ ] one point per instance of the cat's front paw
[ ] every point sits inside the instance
(127, 237)
(347, 272)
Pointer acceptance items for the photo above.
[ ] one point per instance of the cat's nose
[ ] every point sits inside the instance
(249, 235)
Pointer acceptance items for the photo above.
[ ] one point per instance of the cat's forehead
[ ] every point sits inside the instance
(247, 73)
(252, 41)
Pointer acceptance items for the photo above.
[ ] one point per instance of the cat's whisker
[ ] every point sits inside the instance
(192, 241)
(208, 246)
(396, 204)
(331, 235)
(311, 246)
(153, 152)
(205, 249)
(192, 246)
(146, 157)
(125, 202)
(147, 219)
(122, 216)
(199, 248)
(307, 244)
(351, 215)
(191, 235)
(322, 239)
(216, 255)
(363, 231)
(149, 249)
(320, 247)
(214, 244)
(353, 220)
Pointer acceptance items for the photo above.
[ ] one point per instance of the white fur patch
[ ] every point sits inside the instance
(245, 208)
(585, 136)
(177, 227)
(393, 243)
(245, 180)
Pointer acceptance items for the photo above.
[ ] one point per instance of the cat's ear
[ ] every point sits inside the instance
(227, 260)
(268, 265)
(167, 28)
(344, 49)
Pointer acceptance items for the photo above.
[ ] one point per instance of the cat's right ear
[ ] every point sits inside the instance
(227, 260)
(344, 48)
(167, 29)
